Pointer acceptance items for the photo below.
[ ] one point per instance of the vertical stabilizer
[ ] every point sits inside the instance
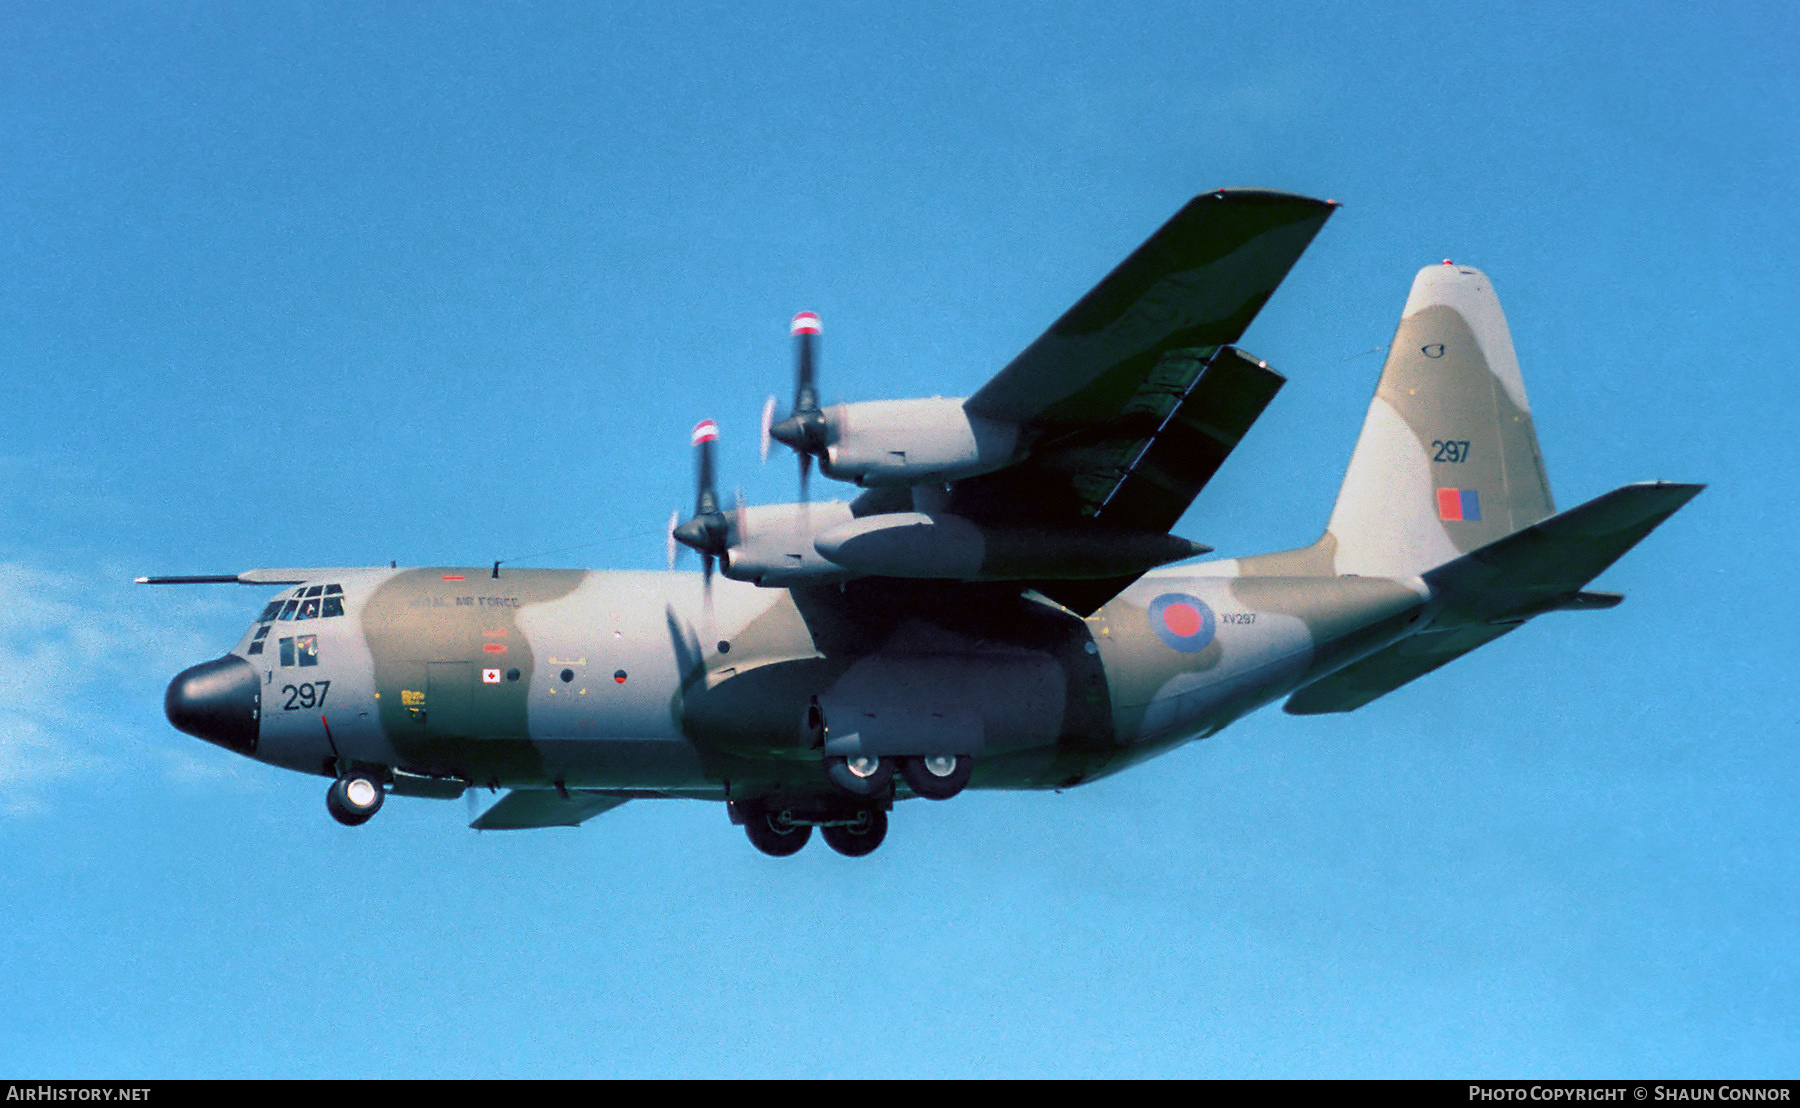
(1448, 458)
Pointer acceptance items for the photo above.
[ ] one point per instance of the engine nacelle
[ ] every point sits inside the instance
(909, 442)
(772, 544)
(939, 545)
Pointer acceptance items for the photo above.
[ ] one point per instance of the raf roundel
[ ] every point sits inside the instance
(1182, 621)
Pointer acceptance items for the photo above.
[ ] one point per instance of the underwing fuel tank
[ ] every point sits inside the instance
(939, 545)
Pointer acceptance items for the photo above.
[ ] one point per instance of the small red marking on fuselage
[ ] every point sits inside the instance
(453, 577)
(493, 648)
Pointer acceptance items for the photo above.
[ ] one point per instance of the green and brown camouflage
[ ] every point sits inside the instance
(984, 624)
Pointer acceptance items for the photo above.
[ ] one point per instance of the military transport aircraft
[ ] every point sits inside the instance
(995, 609)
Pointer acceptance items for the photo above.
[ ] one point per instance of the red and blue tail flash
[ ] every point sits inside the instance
(1459, 504)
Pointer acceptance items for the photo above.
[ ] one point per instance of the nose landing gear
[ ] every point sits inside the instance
(353, 798)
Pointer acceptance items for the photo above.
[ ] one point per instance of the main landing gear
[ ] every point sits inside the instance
(858, 835)
(780, 832)
(774, 831)
(353, 798)
(932, 776)
(937, 776)
(855, 822)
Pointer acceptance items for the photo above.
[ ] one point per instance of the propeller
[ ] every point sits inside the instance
(707, 530)
(804, 428)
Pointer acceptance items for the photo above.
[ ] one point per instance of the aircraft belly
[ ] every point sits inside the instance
(1012, 681)
(977, 704)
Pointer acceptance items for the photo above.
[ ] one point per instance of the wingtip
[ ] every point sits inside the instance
(1265, 196)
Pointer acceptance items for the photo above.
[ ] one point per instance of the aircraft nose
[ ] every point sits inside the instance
(219, 701)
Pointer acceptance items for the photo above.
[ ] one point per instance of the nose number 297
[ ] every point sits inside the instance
(309, 695)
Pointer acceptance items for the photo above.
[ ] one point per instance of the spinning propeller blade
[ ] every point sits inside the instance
(804, 429)
(707, 531)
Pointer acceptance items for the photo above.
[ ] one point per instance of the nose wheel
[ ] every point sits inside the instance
(353, 798)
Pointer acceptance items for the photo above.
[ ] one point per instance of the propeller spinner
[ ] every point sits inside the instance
(804, 429)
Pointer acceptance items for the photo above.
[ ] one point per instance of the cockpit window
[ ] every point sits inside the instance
(313, 602)
(301, 650)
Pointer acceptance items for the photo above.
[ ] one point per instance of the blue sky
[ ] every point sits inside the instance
(338, 284)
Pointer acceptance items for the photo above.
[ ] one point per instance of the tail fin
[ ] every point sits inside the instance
(1448, 457)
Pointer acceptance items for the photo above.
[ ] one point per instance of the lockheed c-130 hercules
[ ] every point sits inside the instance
(997, 608)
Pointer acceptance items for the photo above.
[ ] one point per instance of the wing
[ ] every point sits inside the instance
(527, 808)
(1197, 282)
(1135, 397)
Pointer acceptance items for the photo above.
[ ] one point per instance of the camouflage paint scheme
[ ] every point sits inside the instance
(580, 689)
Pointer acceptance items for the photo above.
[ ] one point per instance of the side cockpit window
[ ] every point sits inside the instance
(307, 602)
(301, 650)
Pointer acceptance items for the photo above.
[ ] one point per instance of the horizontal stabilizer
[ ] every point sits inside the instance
(1386, 670)
(1544, 566)
(522, 809)
(1487, 593)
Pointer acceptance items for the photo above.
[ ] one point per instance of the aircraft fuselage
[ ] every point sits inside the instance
(633, 681)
